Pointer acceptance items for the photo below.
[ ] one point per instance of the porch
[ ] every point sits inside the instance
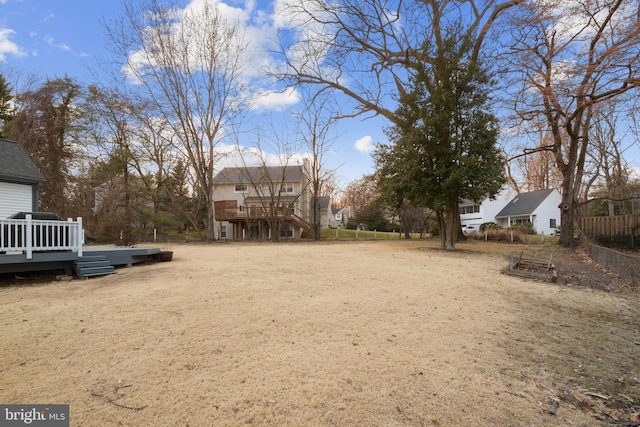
(254, 218)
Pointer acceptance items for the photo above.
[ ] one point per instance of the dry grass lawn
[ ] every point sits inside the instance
(387, 333)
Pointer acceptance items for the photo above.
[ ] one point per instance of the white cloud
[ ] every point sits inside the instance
(7, 46)
(276, 99)
(365, 144)
(258, 34)
(51, 42)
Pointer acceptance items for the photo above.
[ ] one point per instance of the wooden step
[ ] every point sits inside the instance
(92, 266)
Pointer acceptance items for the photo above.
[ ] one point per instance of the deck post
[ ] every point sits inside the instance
(79, 236)
(29, 237)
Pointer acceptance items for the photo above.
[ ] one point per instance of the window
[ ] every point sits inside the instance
(286, 188)
(552, 223)
(240, 188)
(520, 221)
(469, 209)
(223, 231)
(286, 230)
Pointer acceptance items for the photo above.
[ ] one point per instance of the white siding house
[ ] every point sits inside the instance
(541, 209)
(538, 208)
(20, 180)
(246, 199)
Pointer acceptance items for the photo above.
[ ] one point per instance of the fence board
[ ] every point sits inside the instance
(626, 225)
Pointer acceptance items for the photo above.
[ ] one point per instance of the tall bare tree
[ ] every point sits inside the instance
(45, 124)
(570, 57)
(187, 63)
(315, 125)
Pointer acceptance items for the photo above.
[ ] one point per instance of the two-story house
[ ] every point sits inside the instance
(254, 202)
(508, 208)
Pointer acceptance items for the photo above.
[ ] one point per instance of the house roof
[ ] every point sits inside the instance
(259, 174)
(16, 166)
(524, 203)
(324, 201)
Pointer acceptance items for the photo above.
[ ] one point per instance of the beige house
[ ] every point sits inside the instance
(254, 202)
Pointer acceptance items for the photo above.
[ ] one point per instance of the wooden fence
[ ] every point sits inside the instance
(625, 225)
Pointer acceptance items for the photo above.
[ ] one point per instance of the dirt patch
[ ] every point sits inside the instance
(393, 333)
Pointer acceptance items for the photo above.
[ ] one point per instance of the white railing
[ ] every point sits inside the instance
(29, 235)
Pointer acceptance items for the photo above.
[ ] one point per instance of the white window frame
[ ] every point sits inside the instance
(240, 188)
(286, 189)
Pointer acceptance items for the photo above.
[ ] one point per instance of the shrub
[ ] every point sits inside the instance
(523, 228)
(490, 226)
(434, 230)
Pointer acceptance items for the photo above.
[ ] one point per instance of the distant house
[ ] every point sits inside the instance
(538, 208)
(20, 180)
(246, 197)
(541, 209)
(340, 216)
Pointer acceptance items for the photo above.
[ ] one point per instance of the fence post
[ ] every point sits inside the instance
(28, 237)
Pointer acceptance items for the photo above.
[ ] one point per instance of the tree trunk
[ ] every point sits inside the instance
(211, 213)
(211, 221)
(449, 234)
(567, 212)
(316, 217)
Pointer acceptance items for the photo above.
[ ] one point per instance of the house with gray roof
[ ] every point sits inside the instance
(509, 208)
(20, 180)
(248, 199)
(541, 209)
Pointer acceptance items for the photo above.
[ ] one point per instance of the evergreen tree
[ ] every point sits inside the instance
(443, 146)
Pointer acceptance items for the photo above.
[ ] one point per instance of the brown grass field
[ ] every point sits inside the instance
(364, 333)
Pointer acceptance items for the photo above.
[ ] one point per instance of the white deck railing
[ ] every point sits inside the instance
(32, 235)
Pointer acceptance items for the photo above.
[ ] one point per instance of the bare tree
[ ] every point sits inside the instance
(570, 57)
(187, 63)
(315, 124)
(606, 154)
(359, 193)
(46, 124)
(531, 167)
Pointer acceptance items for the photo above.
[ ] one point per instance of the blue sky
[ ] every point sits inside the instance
(66, 37)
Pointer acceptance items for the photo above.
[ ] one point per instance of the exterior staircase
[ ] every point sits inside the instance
(93, 265)
(302, 223)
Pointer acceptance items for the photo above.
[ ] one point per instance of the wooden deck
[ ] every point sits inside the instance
(66, 261)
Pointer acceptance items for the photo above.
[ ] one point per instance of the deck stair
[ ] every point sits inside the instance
(92, 265)
(302, 223)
